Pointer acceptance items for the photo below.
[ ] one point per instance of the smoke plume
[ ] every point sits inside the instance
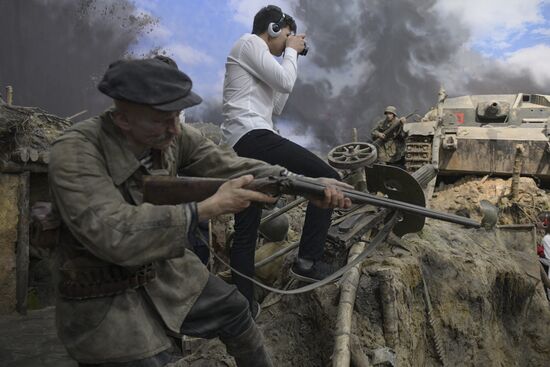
(55, 51)
(367, 54)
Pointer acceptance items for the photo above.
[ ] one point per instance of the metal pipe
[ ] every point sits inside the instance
(283, 210)
(277, 254)
(307, 186)
(410, 208)
(516, 226)
(76, 115)
(425, 174)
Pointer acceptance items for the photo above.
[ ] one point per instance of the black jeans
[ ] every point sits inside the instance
(274, 149)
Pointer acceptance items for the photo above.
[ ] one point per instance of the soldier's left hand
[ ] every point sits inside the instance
(334, 198)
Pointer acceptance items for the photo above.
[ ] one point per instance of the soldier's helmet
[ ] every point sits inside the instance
(276, 229)
(391, 109)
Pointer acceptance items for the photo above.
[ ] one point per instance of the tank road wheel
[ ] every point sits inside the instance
(352, 155)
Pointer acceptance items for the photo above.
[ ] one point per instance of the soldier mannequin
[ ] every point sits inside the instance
(392, 148)
(127, 273)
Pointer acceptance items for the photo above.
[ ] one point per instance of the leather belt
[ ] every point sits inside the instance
(95, 282)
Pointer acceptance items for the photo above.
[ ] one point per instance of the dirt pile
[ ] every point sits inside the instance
(444, 296)
(464, 196)
(488, 307)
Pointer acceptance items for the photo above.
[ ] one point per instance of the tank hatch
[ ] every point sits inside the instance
(492, 111)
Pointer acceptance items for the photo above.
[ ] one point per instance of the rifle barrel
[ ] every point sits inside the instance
(365, 198)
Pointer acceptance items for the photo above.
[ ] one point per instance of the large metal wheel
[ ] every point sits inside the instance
(352, 155)
(399, 185)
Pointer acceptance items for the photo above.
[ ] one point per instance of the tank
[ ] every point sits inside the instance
(483, 134)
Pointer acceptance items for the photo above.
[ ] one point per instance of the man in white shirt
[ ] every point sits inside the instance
(256, 86)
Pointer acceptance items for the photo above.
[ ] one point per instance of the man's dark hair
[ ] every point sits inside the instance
(271, 14)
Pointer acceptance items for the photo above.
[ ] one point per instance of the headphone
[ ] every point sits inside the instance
(274, 29)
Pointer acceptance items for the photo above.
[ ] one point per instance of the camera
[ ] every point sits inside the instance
(305, 50)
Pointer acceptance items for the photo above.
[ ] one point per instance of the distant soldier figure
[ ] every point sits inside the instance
(389, 137)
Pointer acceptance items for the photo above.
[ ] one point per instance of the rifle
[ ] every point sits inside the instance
(391, 129)
(169, 190)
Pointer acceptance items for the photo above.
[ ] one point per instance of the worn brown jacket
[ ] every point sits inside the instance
(96, 185)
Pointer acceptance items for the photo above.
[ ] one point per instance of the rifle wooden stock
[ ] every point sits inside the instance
(170, 190)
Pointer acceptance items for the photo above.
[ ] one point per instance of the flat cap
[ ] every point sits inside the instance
(150, 82)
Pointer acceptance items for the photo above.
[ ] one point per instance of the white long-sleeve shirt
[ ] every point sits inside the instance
(255, 87)
(546, 245)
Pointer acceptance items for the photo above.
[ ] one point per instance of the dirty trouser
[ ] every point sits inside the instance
(220, 311)
(274, 149)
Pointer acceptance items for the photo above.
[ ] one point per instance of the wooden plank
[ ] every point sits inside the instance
(12, 167)
(9, 220)
(22, 259)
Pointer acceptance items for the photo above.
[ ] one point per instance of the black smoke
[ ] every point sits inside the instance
(399, 53)
(53, 52)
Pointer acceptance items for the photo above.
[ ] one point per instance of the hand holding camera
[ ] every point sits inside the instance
(297, 42)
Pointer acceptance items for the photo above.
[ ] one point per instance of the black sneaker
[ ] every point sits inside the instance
(309, 271)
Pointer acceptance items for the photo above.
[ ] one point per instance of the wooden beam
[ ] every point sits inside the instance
(9, 95)
(341, 356)
(12, 167)
(22, 257)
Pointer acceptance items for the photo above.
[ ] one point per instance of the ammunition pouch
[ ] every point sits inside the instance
(80, 281)
(83, 277)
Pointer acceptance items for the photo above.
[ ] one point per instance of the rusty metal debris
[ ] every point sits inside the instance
(434, 323)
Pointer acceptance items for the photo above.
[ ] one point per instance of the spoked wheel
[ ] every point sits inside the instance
(352, 155)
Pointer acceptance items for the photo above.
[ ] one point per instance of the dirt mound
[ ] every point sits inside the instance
(464, 196)
(487, 305)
